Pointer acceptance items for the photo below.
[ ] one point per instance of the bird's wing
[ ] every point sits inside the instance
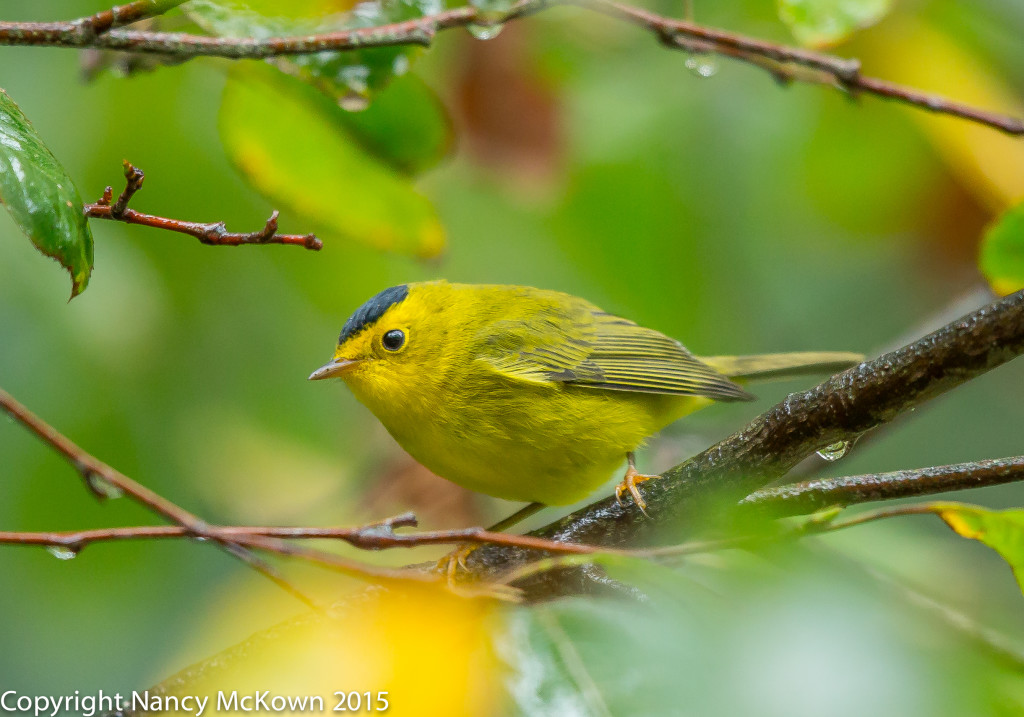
(583, 346)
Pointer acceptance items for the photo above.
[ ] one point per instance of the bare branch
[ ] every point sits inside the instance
(678, 34)
(212, 233)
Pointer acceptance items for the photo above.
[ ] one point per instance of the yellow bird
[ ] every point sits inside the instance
(528, 394)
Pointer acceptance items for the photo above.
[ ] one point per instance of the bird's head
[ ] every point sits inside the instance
(390, 345)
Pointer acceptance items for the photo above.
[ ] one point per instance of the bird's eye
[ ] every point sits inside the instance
(393, 340)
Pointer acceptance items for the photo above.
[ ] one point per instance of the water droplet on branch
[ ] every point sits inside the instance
(701, 64)
(484, 32)
(489, 18)
(353, 102)
(103, 487)
(61, 552)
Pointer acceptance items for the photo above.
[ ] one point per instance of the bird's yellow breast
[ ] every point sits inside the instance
(551, 444)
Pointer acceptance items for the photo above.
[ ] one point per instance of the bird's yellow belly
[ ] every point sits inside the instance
(550, 444)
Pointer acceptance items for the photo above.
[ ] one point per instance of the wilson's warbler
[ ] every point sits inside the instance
(528, 394)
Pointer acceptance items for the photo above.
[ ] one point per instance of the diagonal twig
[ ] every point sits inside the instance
(212, 233)
(103, 481)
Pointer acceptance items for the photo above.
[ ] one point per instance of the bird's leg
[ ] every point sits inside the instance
(630, 481)
(519, 516)
(456, 559)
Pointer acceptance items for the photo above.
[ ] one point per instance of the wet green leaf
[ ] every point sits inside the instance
(352, 75)
(1002, 252)
(826, 22)
(41, 196)
(1001, 530)
(290, 141)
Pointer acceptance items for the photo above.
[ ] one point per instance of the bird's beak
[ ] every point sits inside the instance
(335, 368)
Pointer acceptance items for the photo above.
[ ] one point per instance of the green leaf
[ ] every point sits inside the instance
(291, 142)
(406, 125)
(41, 196)
(1002, 252)
(827, 22)
(350, 75)
(1001, 530)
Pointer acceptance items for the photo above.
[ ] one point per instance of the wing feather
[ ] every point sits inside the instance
(574, 343)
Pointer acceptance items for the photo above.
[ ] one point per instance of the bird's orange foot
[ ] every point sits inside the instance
(449, 565)
(629, 483)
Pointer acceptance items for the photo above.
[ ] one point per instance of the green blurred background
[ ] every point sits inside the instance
(734, 214)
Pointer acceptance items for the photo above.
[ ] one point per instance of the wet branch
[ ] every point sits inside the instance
(694, 495)
(212, 233)
(685, 35)
(809, 496)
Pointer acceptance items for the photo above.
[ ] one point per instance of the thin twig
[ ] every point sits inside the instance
(104, 481)
(678, 34)
(376, 536)
(844, 71)
(99, 477)
(213, 233)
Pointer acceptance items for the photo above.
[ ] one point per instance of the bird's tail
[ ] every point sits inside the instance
(773, 367)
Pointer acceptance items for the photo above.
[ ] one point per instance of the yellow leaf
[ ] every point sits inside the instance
(420, 651)
(989, 163)
(1001, 530)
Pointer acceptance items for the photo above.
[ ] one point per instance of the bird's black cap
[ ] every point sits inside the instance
(368, 314)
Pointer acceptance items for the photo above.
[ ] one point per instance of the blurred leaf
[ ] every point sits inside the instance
(406, 125)
(287, 139)
(1002, 253)
(402, 645)
(988, 163)
(350, 75)
(41, 197)
(1001, 530)
(826, 22)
